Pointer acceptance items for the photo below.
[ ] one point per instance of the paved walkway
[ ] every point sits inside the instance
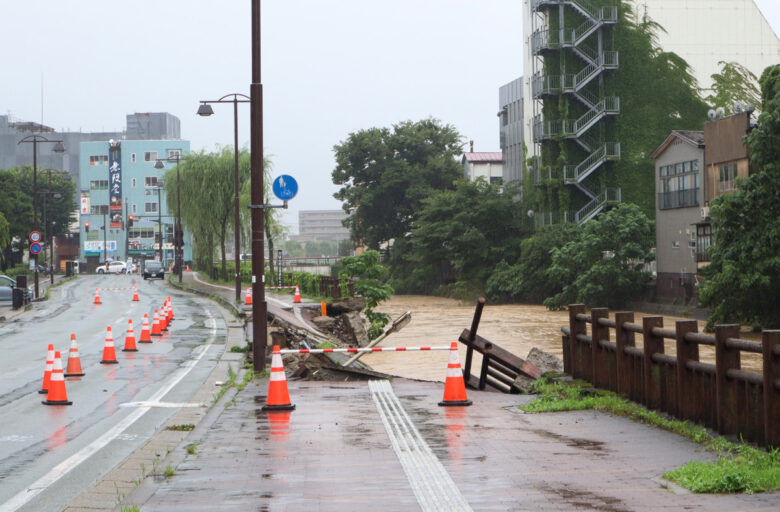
(340, 449)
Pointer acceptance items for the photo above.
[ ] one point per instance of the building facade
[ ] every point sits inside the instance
(118, 179)
(321, 226)
(487, 165)
(510, 120)
(679, 178)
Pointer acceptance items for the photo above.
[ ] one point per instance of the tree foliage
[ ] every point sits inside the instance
(385, 175)
(743, 278)
(734, 83)
(460, 235)
(371, 285)
(16, 205)
(603, 265)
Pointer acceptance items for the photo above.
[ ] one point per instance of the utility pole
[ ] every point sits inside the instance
(105, 244)
(159, 220)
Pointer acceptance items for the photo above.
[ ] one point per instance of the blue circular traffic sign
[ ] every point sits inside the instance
(36, 248)
(35, 236)
(285, 187)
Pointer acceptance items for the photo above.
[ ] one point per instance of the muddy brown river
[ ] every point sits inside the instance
(518, 328)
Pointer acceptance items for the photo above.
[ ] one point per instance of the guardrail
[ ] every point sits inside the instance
(721, 396)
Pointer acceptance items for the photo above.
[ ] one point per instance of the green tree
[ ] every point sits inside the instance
(743, 277)
(371, 285)
(385, 175)
(604, 265)
(526, 280)
(734, 83)
(460, 234)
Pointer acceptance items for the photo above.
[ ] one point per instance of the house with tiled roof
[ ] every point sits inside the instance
(488, 165)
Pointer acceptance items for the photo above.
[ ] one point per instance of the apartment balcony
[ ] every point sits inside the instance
(678, 199)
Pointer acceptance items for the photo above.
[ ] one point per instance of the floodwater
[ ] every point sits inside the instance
(437, 321)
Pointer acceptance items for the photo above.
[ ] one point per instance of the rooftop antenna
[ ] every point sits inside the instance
(41, 100)
(471, 145)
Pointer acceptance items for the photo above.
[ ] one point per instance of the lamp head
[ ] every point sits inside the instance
(59, 147)
(205, 110)
(159, 164)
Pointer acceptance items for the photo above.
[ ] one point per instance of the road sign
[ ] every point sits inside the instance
(285, 187)
(35, 236)
(35, 248)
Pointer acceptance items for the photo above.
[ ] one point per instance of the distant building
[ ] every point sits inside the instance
(157, 126)
(321, 226)
(118, 180)
(510, 116)
(488, 165)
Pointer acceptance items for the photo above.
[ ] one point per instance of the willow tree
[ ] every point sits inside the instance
(735, 83)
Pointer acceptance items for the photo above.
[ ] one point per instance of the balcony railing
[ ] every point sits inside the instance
(678, 199)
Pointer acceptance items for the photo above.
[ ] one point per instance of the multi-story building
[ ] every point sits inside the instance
(321, 226)
(487, 165)
(692, 168)
(679, 171)
(119, 179)
(510, 117)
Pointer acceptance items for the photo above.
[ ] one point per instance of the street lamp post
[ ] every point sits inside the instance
(59, 147)
(159, 218)
(178, 230)
(205, 110)
(259, 306)
(50, 201)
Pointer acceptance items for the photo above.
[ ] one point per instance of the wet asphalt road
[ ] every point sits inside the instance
(48, 454)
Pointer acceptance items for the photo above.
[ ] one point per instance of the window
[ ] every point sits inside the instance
(135, 208)
(98, 185)
(98, 159)
(727, 175)
(98, 209)
(133, 182)
(150, 207)
(675, 244)
(150, 181)
(150, 156)
(678, 185)
(174, 153)
(703, 241)
(132, 158)
(147, 232)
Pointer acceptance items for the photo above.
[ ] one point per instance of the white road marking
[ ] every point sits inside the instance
(72, 462)
(161, 404)
(432, 485)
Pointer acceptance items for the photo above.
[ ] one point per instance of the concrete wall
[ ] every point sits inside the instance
(510, 105)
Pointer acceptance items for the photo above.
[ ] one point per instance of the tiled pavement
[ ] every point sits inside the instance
(333, 453)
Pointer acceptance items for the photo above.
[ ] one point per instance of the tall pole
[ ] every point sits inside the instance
(159, 221)
(259, 307)
(35, 207)
(179, 230)
(50, 200)
(105, 244)
(236, 217)
(127, 232)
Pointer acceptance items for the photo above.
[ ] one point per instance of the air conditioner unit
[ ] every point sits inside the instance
(705, 212)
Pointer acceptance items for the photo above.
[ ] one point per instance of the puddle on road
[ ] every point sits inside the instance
(437, 321)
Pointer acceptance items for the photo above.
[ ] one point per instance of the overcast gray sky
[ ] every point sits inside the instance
(330, 67)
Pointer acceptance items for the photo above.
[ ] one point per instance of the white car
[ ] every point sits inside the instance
(113, 267)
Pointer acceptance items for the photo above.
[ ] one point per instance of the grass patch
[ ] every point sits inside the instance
(182, 428)
(191, 449)
(326, 344)
(169, 471)
(131, 508)
(740, 468)
(238, 348)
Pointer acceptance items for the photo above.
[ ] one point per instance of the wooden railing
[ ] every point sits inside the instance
(721, 396)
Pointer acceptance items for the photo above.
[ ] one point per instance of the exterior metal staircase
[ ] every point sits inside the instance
(580, 87)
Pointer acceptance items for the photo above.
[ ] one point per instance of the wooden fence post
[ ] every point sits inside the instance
(623, 339)
(652, 345)
(771, 342)
(686, 395)
(576, 327)
(597, 333)
(725, 359)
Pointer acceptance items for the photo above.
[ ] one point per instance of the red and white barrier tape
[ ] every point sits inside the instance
(278, 287)
(368, 349)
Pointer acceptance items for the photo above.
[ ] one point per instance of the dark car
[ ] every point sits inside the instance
(7, 286)
(153, 269)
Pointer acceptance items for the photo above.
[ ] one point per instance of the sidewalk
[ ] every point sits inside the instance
(337, 452)
(7, 313)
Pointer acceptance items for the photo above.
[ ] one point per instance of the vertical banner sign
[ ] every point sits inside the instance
(115, 184)
(279, 267)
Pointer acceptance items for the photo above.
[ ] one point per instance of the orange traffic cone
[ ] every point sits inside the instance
(57, 393)
(156, 325)
(454, 385)
(74, 361)
(135, 294)
(164, 317)
(145, 334)
(278, 396)
(188, 268)
(97, 296)
(130, 338)
(170, 309)
(248, 298)
(47, 370)
(109, 354)
(297, 298)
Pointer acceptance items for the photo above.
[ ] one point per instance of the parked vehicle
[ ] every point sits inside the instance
(7, 285)
(153, 268)
(113, 267)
